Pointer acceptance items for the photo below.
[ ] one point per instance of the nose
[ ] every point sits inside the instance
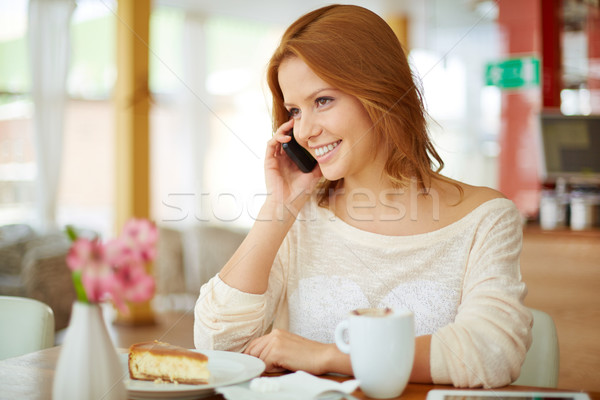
(306, 128)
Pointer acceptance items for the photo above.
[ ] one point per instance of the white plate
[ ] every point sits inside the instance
(226, 368)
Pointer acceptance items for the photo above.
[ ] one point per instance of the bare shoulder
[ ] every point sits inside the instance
(474, 196)
(457, 203)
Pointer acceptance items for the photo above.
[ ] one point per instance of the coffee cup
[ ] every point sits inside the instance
(381, 344)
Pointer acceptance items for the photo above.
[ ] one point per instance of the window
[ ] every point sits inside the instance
(210, 115)
(210, 124)
(17, 160)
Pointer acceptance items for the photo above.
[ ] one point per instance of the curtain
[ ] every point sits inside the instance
(196, 126)
(49, 23)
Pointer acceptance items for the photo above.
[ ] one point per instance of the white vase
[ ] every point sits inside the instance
(88, 365)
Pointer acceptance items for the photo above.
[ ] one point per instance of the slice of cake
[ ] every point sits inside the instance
(159, 361)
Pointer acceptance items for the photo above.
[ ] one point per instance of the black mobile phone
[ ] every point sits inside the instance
(303, 159)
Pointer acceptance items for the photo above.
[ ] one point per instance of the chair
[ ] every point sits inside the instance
(47, 278)
(542, 360)
(206, 249)
(26, 325)
(13, 243)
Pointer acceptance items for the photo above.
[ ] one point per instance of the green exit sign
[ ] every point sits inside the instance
(513, 73)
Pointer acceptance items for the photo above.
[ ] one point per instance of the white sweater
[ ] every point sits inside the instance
(462, 283)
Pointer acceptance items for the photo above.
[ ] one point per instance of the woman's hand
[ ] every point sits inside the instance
(285, 351)
(288, 189)
(286, 184)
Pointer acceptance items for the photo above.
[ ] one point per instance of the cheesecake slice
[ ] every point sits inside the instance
(159, 361)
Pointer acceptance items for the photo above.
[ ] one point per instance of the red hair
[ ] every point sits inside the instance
(356, 51)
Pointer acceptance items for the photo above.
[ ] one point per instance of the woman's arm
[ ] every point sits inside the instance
(237, 305)
(339, 362)
(288, 189)
(249, 268)
(488, 340)
(282, 350)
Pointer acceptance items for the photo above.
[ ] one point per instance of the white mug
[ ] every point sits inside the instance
(381, 347)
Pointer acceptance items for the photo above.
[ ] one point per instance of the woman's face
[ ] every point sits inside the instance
(332, 125)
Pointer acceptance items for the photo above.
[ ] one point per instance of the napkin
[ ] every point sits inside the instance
(297, 386)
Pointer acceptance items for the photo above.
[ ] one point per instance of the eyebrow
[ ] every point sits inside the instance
(310, 96)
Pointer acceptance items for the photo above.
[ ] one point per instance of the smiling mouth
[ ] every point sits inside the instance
(321, 151)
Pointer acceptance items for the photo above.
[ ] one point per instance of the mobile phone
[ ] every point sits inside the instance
(301, 157)
(443, 394)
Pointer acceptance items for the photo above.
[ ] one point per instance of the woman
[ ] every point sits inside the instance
(375, 224)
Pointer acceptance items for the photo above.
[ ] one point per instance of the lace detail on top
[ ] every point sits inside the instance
(315, 317)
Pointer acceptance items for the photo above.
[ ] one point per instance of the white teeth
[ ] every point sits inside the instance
(325, 149)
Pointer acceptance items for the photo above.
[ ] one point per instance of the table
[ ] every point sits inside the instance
(29, 377)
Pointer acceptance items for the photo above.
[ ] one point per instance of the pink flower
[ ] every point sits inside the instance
(119, 252)
(97, 277)
(141, 235)
(134, 283)
(116, 270)
(82, 252)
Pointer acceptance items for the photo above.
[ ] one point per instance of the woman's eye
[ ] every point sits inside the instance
(323, 101)
(294, 112)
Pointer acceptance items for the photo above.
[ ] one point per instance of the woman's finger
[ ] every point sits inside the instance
(256, 347)
(282, 133)
(271, 358)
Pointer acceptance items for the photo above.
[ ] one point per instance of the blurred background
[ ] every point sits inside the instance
(209, 106)
(159, 109)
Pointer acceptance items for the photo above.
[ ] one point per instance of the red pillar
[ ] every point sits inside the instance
(593, 36)
(519, 180)
(551, 11)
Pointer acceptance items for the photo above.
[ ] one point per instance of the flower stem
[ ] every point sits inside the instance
(79, 289)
